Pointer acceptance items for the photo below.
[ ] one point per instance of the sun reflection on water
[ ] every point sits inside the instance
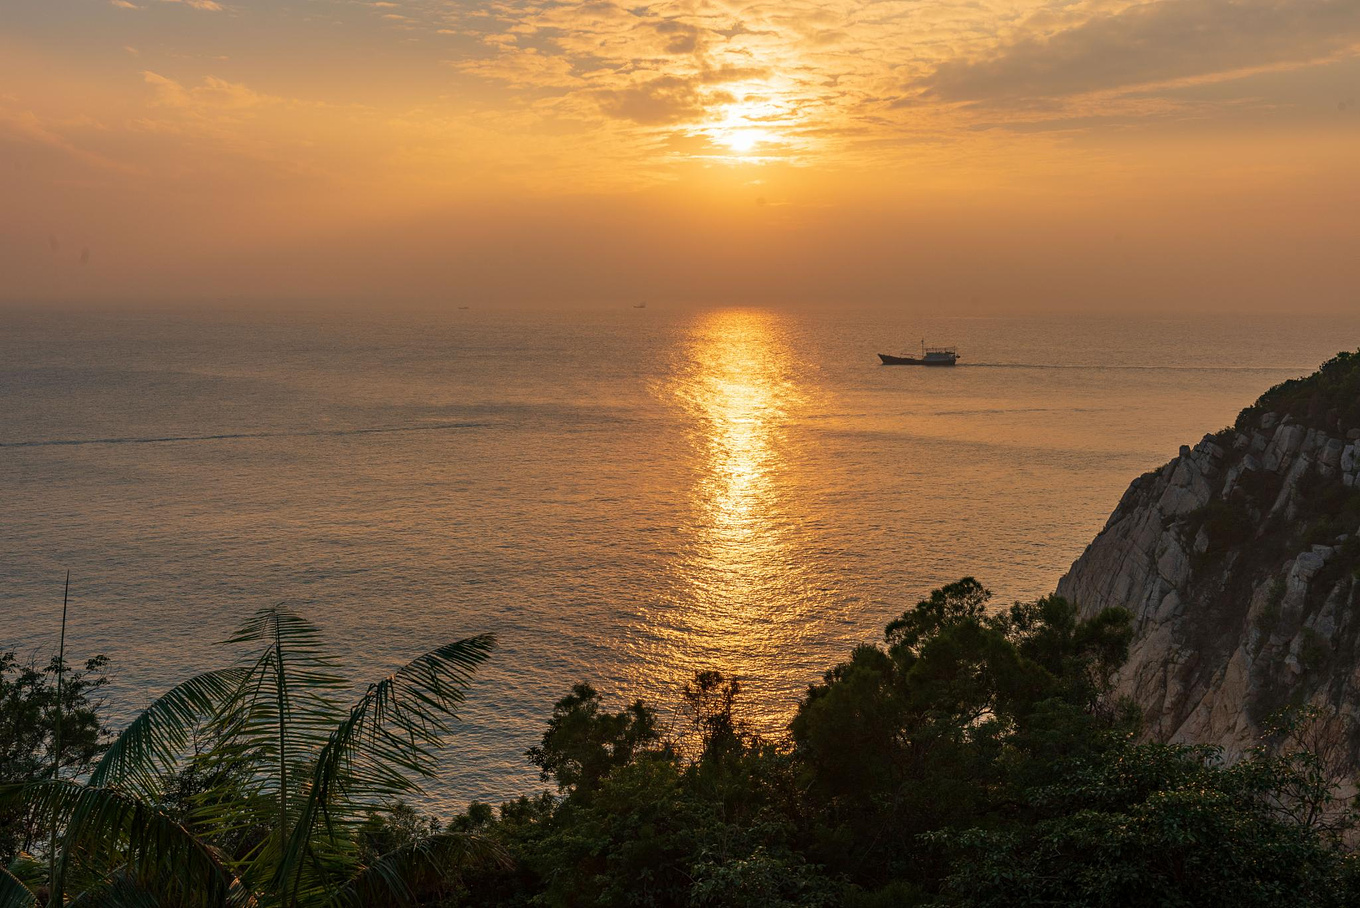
(741, 395)
(746, 582)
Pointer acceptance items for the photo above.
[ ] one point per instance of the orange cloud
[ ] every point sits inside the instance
(1058, 119)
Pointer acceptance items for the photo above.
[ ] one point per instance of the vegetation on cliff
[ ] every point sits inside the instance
(973, 757)
(1328, 400)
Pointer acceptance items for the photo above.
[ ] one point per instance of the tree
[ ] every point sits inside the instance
(708, 820)
(583, 742)
(928, 730)
(270, 805)
(1163, 825)
(28, 719)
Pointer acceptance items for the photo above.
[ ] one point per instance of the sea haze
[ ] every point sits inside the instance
(622, 497)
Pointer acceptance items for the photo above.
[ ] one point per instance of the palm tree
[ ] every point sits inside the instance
(248, 785)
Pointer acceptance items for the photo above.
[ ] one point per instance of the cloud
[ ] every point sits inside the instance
(29, 127)
(1150, 43)
(599, 87)
(169, 93)
(520, 69)
(123, 4)
(209, 5)
(668, 99)
(226, 95)
(660, 101)
(212, 94)
(680, 37)
(729, 73)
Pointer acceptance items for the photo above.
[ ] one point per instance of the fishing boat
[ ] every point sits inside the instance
(933, 356)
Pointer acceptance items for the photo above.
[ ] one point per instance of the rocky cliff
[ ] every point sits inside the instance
(1240, 562)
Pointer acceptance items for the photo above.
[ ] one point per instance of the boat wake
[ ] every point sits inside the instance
(1094, 367)
(234, 436)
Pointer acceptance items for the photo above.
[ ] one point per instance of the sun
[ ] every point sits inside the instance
(743, 141)
(744, 127)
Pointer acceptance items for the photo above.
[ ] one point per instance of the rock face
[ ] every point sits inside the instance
(1240, 562)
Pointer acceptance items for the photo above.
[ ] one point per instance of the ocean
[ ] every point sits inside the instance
(622, 496)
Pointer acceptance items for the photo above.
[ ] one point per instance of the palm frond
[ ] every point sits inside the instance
(388, 742)
(116, 828)
(153, 743)
(282, 713)
(285, 630)
(415, 871)
(120, 890)
(13, 893)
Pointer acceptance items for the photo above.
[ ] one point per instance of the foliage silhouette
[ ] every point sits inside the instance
(974, 757)
(252, 784)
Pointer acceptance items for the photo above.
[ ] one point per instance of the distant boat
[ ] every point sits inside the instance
(640, 306)
(462, 307)
(934, 356)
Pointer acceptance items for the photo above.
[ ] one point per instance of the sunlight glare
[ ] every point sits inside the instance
(743, 140)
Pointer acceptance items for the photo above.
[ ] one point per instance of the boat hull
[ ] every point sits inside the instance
(890, 360)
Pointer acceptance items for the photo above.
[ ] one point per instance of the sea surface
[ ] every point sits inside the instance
(623, 497)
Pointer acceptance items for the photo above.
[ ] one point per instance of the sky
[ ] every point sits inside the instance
(985, 156)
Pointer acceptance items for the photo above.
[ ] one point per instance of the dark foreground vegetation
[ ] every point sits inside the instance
(972, 758)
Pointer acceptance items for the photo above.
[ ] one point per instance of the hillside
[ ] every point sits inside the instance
(1240, 562)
